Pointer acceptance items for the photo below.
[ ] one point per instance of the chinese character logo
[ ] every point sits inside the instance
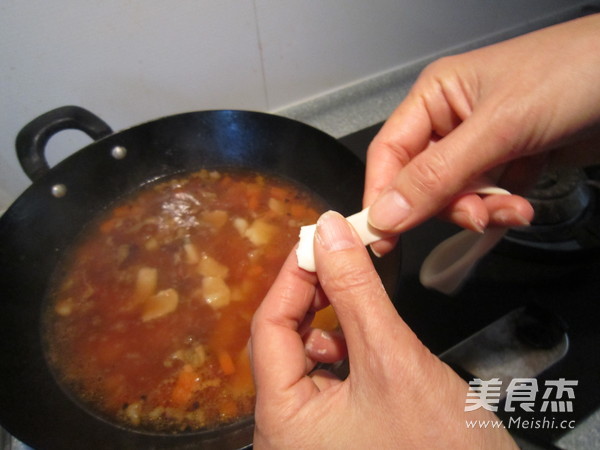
(562, 387)
(521, 393)
(483, 394)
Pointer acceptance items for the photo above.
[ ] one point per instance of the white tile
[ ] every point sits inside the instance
(127, 61)
(312, 46)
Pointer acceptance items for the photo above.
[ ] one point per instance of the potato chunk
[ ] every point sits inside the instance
(260, 232)
(145, 283)
(216, 218)
(161, 304)
(215, 291)
(241, 225)
(191, 253)
(210, 267)
(277, 206)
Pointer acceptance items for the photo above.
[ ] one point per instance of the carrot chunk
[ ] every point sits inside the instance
(226, 363)
(297, 210)
(228, 408)
(184, 387)
(109, 225)
(253, 194)
(279, 193)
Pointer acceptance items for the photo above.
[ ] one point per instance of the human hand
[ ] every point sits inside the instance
(397, 394)
(502, 112)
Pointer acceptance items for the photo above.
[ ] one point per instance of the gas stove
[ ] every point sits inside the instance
(528, 313)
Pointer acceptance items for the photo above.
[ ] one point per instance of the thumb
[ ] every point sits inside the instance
(437, 175)
(354, 289)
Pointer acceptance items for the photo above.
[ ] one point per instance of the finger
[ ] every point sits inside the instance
(384, 246)
(476, 213)
(432, 109)
(346, 273)
(467, 211)
(406, 133)
(278, 355)
(324, 379)
(508, 210)
(424, 186)
(320, 300)
(325, 346)
(304, 325)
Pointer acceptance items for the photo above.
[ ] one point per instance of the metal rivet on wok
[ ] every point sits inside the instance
(118, 152)
(59, 190)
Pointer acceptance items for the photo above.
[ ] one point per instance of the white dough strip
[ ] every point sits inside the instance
(360, 221)
(305, 251)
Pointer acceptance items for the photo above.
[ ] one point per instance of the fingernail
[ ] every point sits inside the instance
(509, 217)
(521, 221)
(466, 220)
(325, 335)
(375, 252)
(389, 210)
(334, 232)
(479, 225)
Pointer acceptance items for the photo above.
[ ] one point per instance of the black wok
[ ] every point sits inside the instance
(39, 227)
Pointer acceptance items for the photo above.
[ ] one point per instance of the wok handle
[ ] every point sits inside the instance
(32, 139)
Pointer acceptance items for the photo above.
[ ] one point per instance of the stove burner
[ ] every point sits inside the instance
(560, 197)
(567, 214)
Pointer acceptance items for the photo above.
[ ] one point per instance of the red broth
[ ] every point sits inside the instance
(149, 319)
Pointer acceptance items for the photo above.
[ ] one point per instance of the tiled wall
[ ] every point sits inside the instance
(134, 60)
